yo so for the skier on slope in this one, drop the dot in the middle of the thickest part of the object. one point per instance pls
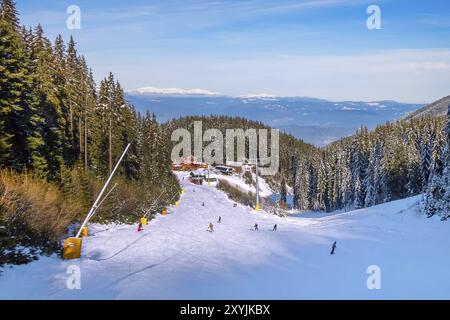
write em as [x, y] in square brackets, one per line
[140, 227]
[275, 227]
[210, 227]
[220, 219]
[256, 227]
[333, 248]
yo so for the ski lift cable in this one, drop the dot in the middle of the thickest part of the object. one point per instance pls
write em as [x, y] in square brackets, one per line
[94, 206]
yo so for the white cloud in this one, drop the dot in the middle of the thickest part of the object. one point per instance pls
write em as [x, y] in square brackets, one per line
[403, 75]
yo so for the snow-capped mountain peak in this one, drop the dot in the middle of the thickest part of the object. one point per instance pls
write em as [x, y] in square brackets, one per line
[258, 96]
[173, 91]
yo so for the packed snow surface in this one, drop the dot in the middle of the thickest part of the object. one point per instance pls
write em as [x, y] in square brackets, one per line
[175, 257]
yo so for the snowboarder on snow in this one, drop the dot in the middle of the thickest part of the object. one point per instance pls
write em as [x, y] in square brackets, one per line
[140, 227]
[220, 219]
[256, 227]
[210, 227]
[274, 227]
[333, 248]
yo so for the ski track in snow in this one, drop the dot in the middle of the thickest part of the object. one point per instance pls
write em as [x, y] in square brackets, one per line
[176, 258]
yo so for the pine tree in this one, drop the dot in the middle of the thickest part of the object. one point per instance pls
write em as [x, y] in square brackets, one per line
[296, 182]
[59, 80]
[16, 101]
[437, 197]
[48, 110]
[283, 193]
[9, 13]
[72, 84]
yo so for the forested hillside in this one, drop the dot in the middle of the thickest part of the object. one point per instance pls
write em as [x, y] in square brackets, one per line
[394, 161]
[289, 145]
[60, 137]
[436, 109]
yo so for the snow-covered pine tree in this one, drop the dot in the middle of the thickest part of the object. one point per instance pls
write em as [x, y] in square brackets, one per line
[414, 181]
[371, 179]
[437, 197]
[296, 182]
[423, 141]
[9, 13]
[283, 192]
[19, 135]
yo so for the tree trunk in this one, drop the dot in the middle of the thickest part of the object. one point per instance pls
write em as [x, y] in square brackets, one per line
[80, 133]
[85, 141]
[110, 145]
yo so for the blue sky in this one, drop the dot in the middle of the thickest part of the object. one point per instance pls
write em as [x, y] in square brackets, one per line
[317, 48]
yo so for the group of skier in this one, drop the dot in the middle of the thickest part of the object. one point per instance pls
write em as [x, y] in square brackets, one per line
[211, 226]
[255, 227]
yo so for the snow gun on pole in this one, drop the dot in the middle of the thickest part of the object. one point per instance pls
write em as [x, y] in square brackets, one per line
[72, 246]
[258, 205]
[104, 198]
[144, 219]
[152, 205]
[95, 205]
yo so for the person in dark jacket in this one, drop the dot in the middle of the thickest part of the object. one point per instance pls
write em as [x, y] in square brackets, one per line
[275, 227]
[256, 227]
[220, 219]
[333, 248]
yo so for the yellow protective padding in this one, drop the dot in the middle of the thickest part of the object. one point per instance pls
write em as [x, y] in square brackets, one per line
[72, 248]
[177, 203]
[84, 232]
[164, 211]
[182, 191]
[258, 207]
[143, 221]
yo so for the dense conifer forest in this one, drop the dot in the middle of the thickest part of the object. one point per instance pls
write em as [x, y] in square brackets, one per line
[61, 135]
[393, 161]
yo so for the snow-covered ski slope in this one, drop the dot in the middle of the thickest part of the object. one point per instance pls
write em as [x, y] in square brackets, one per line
[176, 258]
[237, 181]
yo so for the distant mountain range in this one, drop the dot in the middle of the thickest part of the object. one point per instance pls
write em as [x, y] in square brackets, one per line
[315, 121]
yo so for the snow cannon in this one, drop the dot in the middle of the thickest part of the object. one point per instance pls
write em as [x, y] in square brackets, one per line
[84, 232]
[164, 211]
[143, 221]
[72, 248]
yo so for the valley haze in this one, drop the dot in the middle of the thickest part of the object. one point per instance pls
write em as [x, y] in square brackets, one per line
[316, 121]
